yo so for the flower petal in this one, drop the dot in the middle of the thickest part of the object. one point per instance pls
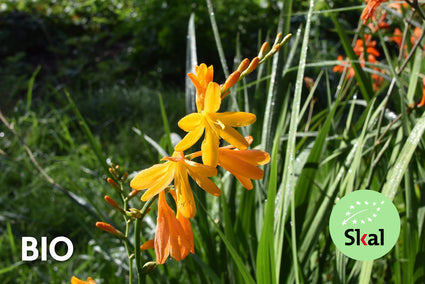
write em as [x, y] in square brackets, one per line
[147, 177]
[185, 201]
[190, 122]
[160, 183]
[234, 137]
[230, 161]
[191, 138]
[212, 98]
[234, 119]
[149, 244]
[162, 233]
[246, 182]
[200, 174]
[252, 156]
[209, 147]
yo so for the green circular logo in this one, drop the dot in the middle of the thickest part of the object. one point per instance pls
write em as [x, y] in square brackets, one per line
[364, 225]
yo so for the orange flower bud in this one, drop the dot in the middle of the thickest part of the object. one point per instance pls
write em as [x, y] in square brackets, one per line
[111, 201]
[263, 50]
[276, 48]
[254, 64]
[114, 184]
[231, 80]
[278, 39]
[133, 193]
[244, 64]
[110, 229]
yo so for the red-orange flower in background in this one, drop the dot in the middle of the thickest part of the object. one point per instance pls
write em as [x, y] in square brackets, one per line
[370, 8]
[75, 280]
[362, 45]
[156, 178]
[173, 236]
[213, 125]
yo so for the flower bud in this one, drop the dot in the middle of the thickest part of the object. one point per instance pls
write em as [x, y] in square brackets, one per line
[133, 212]
[110, 229]
[263, 50]
[113, 203]
[231, 80]
[149, 267]
[114, 184]
[243, 65]
[254, 64]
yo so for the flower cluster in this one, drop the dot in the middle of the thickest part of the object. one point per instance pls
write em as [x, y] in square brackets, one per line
[173, 236]
[366, 48]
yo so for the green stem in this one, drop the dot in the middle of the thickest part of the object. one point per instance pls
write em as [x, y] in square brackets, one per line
[137, 250]
[127, 243]
[137, 229]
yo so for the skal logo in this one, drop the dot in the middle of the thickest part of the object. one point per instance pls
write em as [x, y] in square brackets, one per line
[364, 225]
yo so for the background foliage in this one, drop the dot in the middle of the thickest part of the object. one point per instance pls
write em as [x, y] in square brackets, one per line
[115, 58]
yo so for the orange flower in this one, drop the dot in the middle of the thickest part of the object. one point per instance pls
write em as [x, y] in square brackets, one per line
[416, 34]
[397, 37]
[370, 8]
[341, 67]
[173, 236]
[243, 164]
[75, 280]
[204, 75]
[156, 178]
[215, 125]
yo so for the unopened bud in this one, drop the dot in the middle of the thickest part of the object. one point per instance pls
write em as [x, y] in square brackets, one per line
[110, 229]
[263, 50]
[133, 212]
[113, 203]
[277, 39]
[149, 267]
[114, 184]
[132, 194]
[254, 64]
[113, 172]
[243, 65]
[231, 80]
[276, 48]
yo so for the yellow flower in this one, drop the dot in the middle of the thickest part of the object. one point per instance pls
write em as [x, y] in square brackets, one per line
[243, 164]
[201, 80]
[215, 125]
[156, 178]
[173, 236]
[75, 280]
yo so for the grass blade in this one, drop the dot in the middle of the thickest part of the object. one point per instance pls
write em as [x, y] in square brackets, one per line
[191, 62]
[288, 179]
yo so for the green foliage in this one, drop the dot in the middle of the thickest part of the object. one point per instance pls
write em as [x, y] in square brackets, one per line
[324, 141]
